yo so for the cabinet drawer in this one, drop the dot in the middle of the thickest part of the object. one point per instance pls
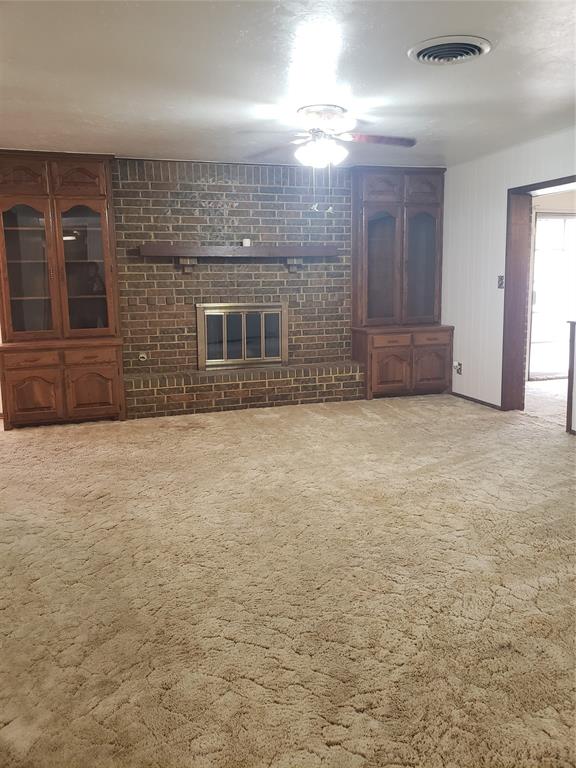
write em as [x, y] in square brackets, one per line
[16, 360]
[90, 356]
[391, 340]
[431, 337]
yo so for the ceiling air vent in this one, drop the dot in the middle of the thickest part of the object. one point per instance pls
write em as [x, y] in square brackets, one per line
[449, 50]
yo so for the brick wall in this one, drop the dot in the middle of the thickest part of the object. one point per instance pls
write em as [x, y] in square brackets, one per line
[220, 204]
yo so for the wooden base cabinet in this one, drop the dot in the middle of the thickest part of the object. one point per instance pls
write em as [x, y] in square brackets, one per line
[32, 397]
[60, 359]
[396, 281]
[431, 369]
[92, 391]
[391, 371]
[41, 385]
[404, 361]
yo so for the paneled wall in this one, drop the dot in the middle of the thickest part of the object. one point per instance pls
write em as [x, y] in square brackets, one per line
[474, 251]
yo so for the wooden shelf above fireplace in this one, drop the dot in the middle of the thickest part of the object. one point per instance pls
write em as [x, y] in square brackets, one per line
[187, 256]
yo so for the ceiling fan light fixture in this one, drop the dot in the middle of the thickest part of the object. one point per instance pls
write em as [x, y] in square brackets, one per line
[320, 153]
[329, 118]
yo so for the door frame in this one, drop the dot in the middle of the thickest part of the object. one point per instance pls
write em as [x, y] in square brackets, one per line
[517, 289]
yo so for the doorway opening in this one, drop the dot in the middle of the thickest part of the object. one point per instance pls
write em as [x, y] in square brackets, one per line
[539, 298]
[553, 285]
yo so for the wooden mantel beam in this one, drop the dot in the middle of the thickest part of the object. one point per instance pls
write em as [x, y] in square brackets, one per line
[187, 255]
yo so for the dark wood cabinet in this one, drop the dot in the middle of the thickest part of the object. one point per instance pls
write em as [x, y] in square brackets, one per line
[23, 175]
[383, 263]
[61, 380]
[431, 369]
[57, 290]
[421, 262]
[92, 390]
[33, 396]
[405, 360]
[28, 269]
[424, 187]
[87, 274]
[78, 177]
[391, 370]
[396, 278]
[381, 185]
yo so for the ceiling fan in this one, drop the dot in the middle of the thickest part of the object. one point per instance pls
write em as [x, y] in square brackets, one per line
[326, 128]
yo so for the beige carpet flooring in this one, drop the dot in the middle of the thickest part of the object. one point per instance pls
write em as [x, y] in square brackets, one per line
[547, 399]
[378, 584]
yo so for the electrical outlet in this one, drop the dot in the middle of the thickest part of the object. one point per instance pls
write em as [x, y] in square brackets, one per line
[500, 281]
[458, 368]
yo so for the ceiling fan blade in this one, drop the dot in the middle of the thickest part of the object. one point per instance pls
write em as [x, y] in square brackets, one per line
[393, 141]
[264, 152]
[263, 132]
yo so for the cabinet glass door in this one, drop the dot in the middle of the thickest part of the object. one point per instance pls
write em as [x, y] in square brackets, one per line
[382, 238]
[29, 277]
[421, 265]
[82, 233]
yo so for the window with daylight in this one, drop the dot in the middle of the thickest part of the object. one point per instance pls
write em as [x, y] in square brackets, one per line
[241, 334]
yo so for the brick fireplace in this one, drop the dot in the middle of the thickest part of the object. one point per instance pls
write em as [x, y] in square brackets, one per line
[217, 205]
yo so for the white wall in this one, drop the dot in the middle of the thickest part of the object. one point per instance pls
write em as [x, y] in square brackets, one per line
[475, 248]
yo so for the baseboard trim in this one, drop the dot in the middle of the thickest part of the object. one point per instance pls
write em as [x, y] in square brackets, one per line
[475, 400]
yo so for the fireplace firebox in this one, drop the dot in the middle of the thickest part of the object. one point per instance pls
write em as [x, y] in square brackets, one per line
[240, 335]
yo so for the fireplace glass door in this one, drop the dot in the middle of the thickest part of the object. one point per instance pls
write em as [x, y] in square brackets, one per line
[232, 335]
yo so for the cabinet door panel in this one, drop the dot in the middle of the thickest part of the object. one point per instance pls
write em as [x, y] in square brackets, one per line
[422, 248]
[383, 187]
[92, 391]
[424, 188]
[82, 232]
[28, 270]
[34, 396]
[23, 176]
[382, 263]
[391, 371]
[431, 369]
[78, 177]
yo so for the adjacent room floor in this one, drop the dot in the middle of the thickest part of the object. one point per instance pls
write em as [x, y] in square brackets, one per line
[547, 400]
[353, 585]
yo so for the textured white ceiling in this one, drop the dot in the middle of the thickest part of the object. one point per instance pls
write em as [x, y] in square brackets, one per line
[218, 80]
